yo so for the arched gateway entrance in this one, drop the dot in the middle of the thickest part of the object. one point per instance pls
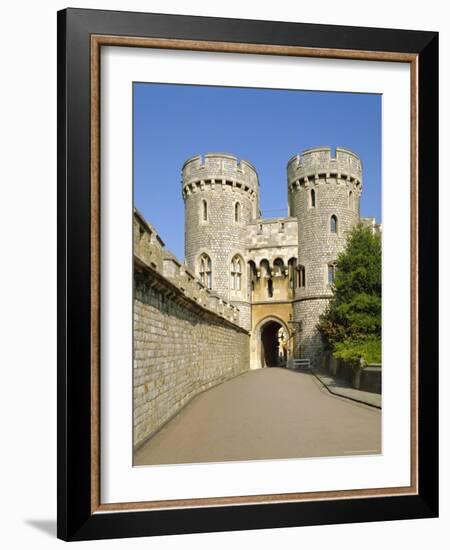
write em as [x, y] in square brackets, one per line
[273, 342]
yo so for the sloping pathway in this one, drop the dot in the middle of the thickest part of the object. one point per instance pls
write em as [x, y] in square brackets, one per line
[265, 414]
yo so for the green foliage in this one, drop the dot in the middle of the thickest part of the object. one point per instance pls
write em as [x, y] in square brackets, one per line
[352, 352]
[351, 325]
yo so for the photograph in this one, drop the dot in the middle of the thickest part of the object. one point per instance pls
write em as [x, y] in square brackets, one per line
[257, 274]
[247, 273]
[225, 275]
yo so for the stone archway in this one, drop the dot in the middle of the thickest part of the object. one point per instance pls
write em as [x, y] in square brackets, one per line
[272, 336]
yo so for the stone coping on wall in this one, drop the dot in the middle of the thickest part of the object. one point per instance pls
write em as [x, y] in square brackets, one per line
[148, 226]
[208, 305]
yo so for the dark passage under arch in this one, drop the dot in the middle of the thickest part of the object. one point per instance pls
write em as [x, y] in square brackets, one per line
[272, 353]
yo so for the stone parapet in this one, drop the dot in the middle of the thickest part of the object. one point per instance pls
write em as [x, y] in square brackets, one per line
[215, 169]
[318, 163]
[181, 348]
[147, 244]
[149, 253]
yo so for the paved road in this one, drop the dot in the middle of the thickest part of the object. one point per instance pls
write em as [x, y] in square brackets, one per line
[265, 414]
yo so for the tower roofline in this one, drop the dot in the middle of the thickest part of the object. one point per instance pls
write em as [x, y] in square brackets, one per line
[220, 156]
[318, 162]
[310, 150]
[319, 149]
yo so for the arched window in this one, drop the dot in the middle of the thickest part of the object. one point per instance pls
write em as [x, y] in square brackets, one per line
[237, 212]
[236, 273]
[312, 198]
[204, 211]
[253, 273]
[205, 270]
[292, 266]
[350, 200]
[265, 269]
[333, 224]
[278, 267]
[331, 273]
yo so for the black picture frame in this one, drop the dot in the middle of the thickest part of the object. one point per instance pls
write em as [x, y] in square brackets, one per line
[76, 519]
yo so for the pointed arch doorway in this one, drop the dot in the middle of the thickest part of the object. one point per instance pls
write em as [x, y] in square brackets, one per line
[273, 342]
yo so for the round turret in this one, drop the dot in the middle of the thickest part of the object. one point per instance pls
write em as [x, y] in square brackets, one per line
[221, 197]
[324, 194]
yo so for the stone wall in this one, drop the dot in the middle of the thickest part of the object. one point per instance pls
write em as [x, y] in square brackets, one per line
[308, 341]
[272, 250]
[365, 377]
[149, 251]
[180, 349]
[272, 238]
[186, 337]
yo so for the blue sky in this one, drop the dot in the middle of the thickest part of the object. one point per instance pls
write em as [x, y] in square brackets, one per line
[264, 126]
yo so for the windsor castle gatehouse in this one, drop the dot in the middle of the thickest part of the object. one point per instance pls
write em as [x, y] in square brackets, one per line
[250, 290]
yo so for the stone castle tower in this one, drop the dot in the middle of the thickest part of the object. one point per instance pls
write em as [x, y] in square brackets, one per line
[278, 272]
[324, 195]
[221, 196]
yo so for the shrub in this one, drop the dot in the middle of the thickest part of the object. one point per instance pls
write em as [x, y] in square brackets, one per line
[351, 325]
[352, 352]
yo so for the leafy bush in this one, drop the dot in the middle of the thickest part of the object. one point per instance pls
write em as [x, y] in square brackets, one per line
[351, 325]
[369, 350]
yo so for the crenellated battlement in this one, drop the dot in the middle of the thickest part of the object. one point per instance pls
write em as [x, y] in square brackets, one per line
[218, 169]
[318, 164]
[242, 273]
[151, 254]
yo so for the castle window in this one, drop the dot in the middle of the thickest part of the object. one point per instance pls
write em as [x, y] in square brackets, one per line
[301, 276]
[204, 211]
[350, 200]
[278, 267]
[292, 267]
[312, 198]
[253, 274]
[236, 273]
[205, 270]
[270, 288]
[265, 269]
[333, 224]
[331, 273]
[237, 212]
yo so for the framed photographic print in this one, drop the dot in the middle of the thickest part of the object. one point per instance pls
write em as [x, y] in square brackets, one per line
[247, 274]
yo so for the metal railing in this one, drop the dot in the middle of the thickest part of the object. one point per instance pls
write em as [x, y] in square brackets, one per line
[301, 364]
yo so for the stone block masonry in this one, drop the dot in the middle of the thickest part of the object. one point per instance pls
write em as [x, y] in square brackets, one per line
[221, 197]
[324, 194]
[197, 321]
[180, 349]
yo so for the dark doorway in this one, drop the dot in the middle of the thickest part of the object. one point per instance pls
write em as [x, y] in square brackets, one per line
[271, 353]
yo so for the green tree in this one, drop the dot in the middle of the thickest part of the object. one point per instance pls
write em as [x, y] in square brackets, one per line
[351, 325]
